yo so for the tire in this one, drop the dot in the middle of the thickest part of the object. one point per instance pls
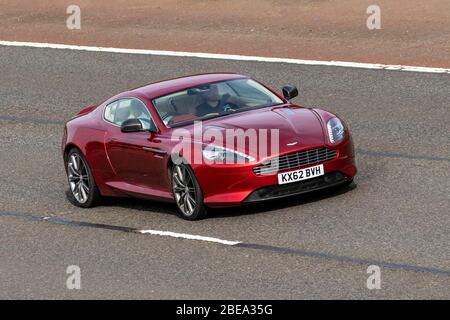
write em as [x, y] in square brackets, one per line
[187, 193]
[83, 191]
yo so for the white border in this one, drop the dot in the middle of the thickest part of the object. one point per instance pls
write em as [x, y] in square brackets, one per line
[227, 57]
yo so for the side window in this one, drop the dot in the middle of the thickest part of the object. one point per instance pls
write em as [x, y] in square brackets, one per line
[110, 111]
[130, 108]
[123, 112]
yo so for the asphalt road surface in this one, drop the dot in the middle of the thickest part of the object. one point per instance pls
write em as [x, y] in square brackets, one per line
[315, 246]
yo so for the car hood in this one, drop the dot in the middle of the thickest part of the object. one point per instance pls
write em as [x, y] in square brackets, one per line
[298, 127]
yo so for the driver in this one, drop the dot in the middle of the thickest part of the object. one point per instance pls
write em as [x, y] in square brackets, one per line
[212, 102]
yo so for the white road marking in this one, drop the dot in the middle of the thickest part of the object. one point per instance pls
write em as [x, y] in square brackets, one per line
[345, 64]
[188, 236]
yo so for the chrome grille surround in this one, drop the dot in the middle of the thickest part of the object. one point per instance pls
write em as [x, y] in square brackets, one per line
[295, 160]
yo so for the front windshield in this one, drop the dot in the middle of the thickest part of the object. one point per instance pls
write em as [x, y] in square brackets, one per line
[213, 100]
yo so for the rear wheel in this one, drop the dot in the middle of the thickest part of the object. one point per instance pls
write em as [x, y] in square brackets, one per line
[187, 193]
[83, 190]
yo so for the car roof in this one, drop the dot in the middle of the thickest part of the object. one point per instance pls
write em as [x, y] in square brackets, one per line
[165, 87]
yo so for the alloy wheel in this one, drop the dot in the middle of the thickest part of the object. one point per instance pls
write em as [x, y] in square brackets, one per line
[78, 178]
[184, 190]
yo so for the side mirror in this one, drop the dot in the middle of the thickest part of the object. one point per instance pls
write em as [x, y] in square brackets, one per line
[290, 92]
[132, 125]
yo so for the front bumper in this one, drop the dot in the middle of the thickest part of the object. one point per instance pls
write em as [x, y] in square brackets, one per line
[328, 180]
[228, 185]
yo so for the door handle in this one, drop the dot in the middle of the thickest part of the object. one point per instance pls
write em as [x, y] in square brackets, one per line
[161, 152]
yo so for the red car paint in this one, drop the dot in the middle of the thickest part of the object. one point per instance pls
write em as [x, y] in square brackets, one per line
[121, 167]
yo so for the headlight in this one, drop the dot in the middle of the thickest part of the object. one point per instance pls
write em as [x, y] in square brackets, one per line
[336, 131]
[223, 155]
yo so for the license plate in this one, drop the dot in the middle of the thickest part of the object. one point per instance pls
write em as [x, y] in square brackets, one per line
[301, 174]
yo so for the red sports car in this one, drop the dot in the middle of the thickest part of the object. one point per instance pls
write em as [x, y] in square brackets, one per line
[210, 140]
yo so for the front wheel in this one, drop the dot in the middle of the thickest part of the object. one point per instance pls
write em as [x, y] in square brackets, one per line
[83, 190]
[187, 193]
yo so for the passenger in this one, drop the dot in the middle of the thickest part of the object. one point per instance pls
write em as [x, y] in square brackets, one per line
[139, 111]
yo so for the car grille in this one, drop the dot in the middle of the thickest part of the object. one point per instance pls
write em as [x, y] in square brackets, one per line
[295, 160]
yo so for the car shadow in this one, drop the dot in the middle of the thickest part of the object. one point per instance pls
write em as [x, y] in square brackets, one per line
[139, 204]
[133, 203]
[147, 206]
